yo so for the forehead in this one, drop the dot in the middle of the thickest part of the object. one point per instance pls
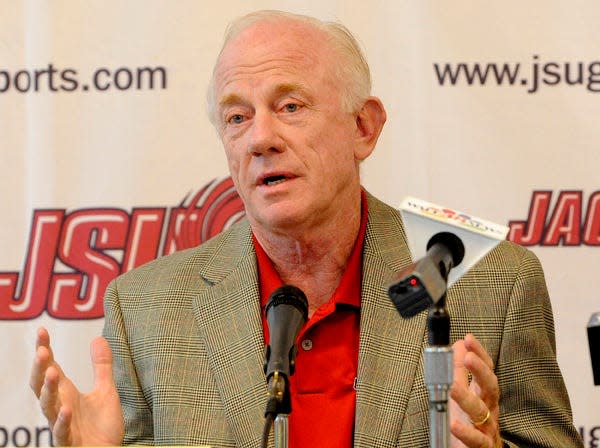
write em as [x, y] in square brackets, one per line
[278, 46]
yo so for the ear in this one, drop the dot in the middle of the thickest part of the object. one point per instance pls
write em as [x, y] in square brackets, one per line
[369, 123]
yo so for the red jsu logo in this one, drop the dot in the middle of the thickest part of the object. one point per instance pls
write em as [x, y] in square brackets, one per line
[72, 256]
[568, 223]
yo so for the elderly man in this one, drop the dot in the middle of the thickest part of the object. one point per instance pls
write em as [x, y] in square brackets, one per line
[290, 98]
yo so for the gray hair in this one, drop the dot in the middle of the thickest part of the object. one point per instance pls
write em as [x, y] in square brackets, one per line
[352, 67]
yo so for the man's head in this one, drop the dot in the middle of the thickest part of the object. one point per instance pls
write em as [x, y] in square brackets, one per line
[294, 120]
[351, 66]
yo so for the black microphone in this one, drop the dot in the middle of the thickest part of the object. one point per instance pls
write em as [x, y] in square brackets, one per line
[423, 283]
[286, 311]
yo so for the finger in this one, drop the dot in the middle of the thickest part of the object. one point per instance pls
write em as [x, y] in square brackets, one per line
[479, 363]
[462, 400]
[49, 397]
[471, 406]
[467, 404]
[461, 373]
[41, 360]
[42, 338]
[102, 363]
[470, 436]
[472, 344]
[485, 381]
[62, 429]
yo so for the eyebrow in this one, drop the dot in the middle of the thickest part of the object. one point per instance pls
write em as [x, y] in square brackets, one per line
[230, 99]
[280, 89]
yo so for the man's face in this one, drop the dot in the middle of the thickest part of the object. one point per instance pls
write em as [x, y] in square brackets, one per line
[289, 145]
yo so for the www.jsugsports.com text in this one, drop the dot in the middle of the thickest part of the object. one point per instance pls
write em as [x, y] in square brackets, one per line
[515, 74]
[53, 79]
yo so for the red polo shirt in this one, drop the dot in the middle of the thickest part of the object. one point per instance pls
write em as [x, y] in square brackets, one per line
[322, 387]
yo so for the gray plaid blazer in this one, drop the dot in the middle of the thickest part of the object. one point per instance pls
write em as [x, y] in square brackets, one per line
[187, 339]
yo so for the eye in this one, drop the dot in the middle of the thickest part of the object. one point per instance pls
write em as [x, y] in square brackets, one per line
[291, 107]
[235, 119]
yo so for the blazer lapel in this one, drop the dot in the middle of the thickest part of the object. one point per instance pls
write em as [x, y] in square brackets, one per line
[229, 318]
[390, 346]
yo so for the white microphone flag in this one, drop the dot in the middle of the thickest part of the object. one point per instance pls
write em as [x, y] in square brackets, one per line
[423, 219]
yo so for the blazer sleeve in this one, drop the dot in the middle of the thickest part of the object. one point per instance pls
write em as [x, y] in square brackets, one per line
[136, 411]
[534, 405]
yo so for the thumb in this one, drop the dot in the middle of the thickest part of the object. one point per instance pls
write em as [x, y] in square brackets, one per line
[102, 363]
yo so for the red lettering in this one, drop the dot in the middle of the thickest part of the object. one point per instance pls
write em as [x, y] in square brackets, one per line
[86, 247]
[172, 242]
[144, 237]
[86, 235]
[39, 264]
[448, 212]
[230, 210]
[211, 210]
[565, 223]
[591, 232]
[529, 233]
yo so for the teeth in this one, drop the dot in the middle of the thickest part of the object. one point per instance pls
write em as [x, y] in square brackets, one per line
[275, 181]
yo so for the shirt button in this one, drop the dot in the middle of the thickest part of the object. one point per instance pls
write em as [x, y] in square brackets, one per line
[306, 344]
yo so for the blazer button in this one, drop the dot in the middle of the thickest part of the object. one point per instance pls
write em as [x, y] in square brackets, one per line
[306, 344]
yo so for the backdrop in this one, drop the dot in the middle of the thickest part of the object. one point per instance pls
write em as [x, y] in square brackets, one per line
[107, 158]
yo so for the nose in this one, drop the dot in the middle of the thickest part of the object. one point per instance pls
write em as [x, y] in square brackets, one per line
[264, 135]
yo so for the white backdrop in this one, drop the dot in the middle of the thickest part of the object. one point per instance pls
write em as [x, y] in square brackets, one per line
[103, 125]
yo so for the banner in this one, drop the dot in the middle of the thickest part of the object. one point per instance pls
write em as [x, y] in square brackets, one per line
[108, 159]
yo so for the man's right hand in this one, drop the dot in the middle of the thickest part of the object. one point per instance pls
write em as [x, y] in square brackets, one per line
[78, 419]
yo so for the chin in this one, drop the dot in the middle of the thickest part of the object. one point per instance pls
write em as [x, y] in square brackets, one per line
[275, 220]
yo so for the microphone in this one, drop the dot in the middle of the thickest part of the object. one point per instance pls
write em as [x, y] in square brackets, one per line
[423, 283]
[454, 242]
[446, 243]
[286, 311]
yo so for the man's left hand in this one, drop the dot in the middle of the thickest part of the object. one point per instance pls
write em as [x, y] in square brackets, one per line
[474, 408]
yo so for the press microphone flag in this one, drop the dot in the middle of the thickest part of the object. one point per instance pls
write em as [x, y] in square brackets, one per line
[423, 220]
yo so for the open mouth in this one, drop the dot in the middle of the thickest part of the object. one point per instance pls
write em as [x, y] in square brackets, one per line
[274, 180]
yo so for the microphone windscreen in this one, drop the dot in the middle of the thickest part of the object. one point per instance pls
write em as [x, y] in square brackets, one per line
[452, 242]
[286, 311]
[289, 295]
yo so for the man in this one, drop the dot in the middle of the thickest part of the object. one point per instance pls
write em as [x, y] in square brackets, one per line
[290, 98]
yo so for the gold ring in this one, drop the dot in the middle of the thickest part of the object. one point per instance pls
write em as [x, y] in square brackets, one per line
[483, 420]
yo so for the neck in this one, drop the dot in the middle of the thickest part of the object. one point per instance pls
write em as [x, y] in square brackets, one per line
[314, 261]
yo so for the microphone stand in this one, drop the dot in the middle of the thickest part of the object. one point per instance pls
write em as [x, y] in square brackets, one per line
[281, 431]
[279, 406]
[286, 312]
[438, 359]
[423, 285]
